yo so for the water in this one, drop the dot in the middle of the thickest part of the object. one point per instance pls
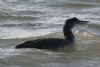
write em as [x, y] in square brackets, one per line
[23, 20]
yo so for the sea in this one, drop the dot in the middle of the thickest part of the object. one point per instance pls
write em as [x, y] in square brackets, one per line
[24, 20]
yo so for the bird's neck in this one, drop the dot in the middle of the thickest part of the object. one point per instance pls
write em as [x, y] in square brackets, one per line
[68, 35]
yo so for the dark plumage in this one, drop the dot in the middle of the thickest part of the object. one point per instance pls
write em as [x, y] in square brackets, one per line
[54, 43]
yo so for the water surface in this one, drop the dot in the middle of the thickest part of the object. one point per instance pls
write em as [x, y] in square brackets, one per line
[23, 20]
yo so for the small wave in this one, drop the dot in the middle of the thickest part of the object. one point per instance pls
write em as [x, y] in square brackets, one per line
[95, 29]
[22, 33]
[18, 17]
[77, 4]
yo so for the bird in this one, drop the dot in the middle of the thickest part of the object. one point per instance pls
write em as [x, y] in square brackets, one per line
[55, 43]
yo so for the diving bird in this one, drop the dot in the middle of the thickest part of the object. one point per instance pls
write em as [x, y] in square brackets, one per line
[55, 43]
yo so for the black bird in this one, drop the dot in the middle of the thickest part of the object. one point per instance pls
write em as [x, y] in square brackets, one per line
[54, 43]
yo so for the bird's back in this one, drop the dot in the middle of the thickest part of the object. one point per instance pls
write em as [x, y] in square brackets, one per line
[51, 43]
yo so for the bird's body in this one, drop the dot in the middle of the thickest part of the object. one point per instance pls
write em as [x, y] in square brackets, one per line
[54, 43]
[51, 43]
